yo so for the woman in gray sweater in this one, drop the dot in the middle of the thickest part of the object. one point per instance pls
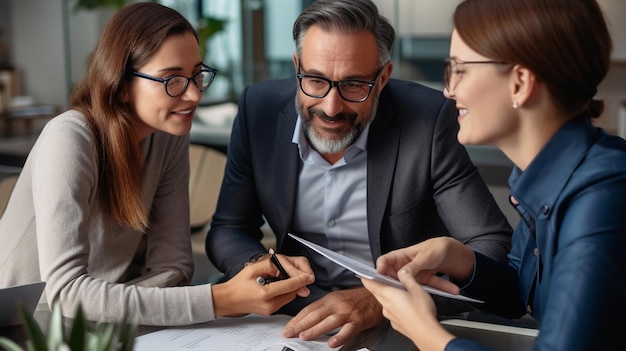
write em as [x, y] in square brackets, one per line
[100, 211]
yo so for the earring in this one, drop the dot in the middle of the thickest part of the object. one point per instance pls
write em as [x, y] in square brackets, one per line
[515, 104]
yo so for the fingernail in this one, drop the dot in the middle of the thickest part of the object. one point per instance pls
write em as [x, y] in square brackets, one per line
[403, 271]
[332, 342]
[287, 333]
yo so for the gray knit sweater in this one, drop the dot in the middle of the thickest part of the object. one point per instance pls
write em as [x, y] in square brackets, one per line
[54, 230]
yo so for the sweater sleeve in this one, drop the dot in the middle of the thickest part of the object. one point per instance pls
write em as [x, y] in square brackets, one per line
[83, 254]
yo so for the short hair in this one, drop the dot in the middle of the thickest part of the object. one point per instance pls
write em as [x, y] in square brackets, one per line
[349, 16]
[566, 43]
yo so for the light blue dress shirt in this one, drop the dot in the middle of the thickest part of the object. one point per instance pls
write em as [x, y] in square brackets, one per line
[331, 207]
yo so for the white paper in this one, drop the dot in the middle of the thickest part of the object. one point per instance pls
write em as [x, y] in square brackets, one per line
[249, 333]
[364, 271]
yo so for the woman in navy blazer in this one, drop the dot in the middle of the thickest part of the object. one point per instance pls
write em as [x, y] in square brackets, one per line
[523, 74]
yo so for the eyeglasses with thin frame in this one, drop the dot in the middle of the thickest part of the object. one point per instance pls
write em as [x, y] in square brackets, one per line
[176, 85]
[351, 90]
[450, 63]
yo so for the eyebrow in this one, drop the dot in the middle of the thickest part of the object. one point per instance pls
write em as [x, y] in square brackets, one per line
[320, 74]
[178, 68]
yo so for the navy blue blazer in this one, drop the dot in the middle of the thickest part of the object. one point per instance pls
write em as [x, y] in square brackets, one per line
[420, 180]
[567, 267]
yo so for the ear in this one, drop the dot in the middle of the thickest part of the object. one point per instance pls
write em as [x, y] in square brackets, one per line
[295, 61]
[523, 82]
[125, 97]
[386, 74]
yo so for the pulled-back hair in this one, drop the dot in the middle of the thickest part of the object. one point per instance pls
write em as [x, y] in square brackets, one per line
[348, 16]
[130, 39]
[566, 43]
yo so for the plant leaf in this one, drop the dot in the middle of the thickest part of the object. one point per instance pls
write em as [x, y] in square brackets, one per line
[101, 337]
[94, 4]
[37, 339]
[208, 27]
[127, 333]
[55, 328]
[9, 345]
[77, 340]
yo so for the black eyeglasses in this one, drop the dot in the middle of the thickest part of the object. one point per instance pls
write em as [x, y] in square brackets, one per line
[351, 90]
[449, 63]
[176, 85]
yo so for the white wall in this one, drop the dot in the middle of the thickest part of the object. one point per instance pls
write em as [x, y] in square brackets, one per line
[423, 18]
[615, 12]
[50, 45]
[50, 63]
[37, 49]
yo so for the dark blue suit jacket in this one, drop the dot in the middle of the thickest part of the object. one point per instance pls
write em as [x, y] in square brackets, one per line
[420, 180]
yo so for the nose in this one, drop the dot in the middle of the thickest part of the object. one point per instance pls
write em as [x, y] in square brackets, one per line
[333, 103]
[192, 93]
[447, 93]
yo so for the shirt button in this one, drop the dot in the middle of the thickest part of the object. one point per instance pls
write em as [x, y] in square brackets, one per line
[331, 223]
[536, 252]
[545, 209]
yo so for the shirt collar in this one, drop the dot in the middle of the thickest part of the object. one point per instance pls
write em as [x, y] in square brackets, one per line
[538, 187]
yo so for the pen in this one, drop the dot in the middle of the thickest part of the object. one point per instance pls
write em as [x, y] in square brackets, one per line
[282, 273]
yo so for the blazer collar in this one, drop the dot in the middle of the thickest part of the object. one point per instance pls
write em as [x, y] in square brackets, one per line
[382, 155]
[382, 148]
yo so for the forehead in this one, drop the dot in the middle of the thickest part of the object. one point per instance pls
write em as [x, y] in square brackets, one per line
[336, 53]
[176, 51]
[460, 50]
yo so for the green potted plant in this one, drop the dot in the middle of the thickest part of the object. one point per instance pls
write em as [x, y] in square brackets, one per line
[81, 336]
[94, 4]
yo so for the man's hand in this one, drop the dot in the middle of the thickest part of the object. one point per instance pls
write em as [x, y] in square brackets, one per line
[352, 310]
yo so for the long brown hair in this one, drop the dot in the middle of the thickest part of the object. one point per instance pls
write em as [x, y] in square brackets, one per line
[566, 43]
[130, 39]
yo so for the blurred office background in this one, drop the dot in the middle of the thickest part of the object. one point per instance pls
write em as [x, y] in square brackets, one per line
[48, 42]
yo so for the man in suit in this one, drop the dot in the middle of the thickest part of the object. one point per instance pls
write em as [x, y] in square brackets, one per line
[348, 158]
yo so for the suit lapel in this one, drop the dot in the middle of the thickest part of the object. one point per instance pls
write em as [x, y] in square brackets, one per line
[286, 158]
[382, 156]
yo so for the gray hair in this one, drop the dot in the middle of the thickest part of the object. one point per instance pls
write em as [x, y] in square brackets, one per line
[348, 16]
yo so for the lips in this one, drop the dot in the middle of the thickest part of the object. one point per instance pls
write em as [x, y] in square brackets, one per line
[327, 118]
[184, 114]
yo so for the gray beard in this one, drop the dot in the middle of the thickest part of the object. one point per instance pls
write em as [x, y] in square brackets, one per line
[329, 146]
[333, 145]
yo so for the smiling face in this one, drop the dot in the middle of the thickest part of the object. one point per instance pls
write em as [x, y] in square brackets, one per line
[155, 110]
[483, 96]
[331, 123]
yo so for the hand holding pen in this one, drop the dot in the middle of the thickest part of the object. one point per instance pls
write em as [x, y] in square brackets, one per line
[268, 278]
[241, 294]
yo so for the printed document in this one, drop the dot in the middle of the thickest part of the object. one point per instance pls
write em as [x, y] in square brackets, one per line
[364, 271]
[249, 333]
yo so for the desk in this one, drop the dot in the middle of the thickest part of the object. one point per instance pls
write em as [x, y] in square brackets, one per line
[517, 336]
